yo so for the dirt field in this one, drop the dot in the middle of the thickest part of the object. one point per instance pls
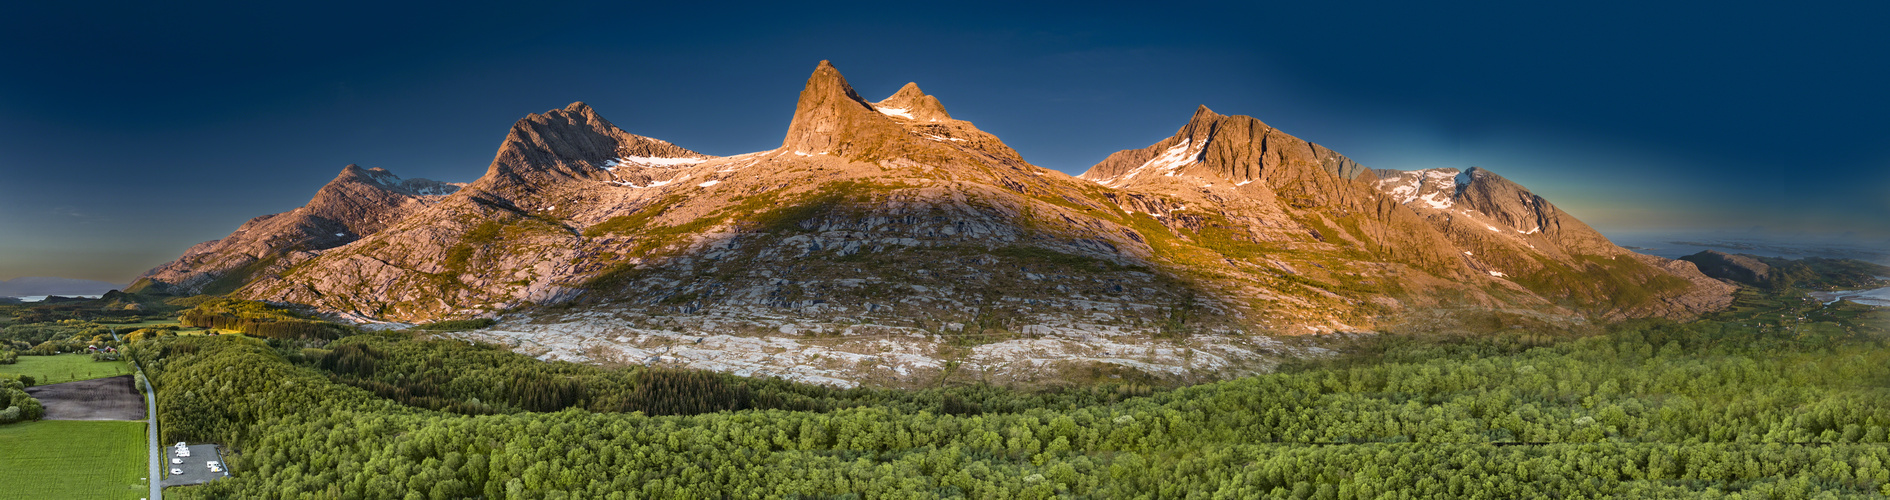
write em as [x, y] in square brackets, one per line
[110, 398]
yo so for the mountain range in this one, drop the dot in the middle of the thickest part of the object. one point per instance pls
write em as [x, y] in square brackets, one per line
[888, 242]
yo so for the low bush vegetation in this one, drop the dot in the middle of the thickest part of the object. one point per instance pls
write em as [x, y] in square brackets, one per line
[16, 405]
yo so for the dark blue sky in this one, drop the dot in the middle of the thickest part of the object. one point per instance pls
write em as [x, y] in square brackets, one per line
[129, 132]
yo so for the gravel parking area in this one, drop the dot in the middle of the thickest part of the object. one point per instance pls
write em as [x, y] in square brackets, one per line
[193, 468]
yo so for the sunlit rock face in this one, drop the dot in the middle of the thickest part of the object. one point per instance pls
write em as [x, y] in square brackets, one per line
[889, 243]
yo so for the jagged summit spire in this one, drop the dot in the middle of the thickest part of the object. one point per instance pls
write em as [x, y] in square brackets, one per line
[832, 118]
[909, 91]
[1203, 121]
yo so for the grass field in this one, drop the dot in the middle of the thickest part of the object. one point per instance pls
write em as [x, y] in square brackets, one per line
[64, 368]
[72, 459]
[150, 322]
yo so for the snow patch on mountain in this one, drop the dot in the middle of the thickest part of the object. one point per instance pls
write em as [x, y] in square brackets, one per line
[1182, 154]
[1435, 188]
[650, 161]
[899, 112]
[1177, 156]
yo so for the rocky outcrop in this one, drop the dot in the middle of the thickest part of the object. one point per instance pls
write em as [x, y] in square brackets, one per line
[1733, 267]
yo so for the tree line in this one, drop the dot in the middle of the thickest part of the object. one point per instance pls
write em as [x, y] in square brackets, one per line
[16, 405]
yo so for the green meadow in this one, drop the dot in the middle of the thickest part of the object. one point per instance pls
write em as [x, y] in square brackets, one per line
[63, 368]
[73, 460]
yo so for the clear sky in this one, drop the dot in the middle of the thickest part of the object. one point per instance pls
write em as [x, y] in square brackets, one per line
[130, 132]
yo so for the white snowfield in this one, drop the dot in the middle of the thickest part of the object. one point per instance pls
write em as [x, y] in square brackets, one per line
[1181, 154]
[651, 161]
[899, 112]
[633, 185]
[1434, 187]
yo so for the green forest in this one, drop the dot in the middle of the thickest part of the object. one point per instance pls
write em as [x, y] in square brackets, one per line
[1777, 397]
[1746, 404]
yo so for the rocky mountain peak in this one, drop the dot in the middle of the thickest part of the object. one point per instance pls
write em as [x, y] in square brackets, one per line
[1238, 149]
[1202, 125]
[832, 118]
[569, 143]
[1510, 205]
[579, 108]
[355, 182]
[1203, 116]
[911, 103]
[356, 174]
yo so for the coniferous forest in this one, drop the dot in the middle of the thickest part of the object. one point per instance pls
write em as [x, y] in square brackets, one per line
[1737, 406]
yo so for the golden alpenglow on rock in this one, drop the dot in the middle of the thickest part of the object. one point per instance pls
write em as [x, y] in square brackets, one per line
[893, 220]
[1471, 253]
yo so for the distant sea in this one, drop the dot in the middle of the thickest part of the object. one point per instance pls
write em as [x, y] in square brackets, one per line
[37, 298]
[1674, 245]
[1877, 297]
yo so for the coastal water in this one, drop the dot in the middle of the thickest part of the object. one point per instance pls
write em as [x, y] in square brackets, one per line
[37, 298]
[1674, 245]
[1874, 297]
